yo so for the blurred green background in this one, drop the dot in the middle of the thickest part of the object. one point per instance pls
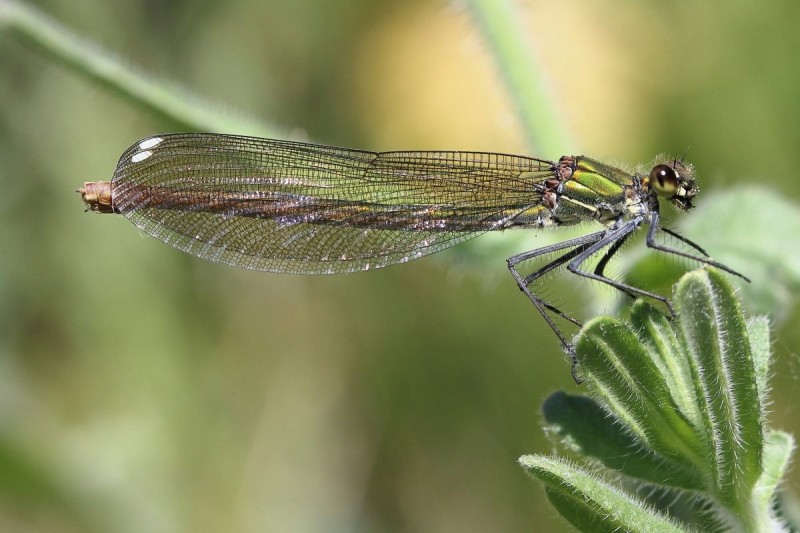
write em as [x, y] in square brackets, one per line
[142, 389]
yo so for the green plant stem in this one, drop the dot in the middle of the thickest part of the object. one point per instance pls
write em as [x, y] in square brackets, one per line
[524, 76]
[176, 105]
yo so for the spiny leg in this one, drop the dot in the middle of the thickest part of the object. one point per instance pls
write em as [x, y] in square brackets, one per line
[531, 278]
[580, 244]
[524, 283]
[651, 243]
[622, 232]
[626, 233]
[612, 250]
[514, 260]
[684, 240]
[584, 248]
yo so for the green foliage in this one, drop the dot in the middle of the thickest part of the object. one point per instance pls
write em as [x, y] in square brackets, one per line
[674, 436]
[768, 253]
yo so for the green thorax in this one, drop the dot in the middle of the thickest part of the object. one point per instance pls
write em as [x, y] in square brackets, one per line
[591, 190]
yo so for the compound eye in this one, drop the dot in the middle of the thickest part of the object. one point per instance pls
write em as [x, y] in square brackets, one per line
[664, 180]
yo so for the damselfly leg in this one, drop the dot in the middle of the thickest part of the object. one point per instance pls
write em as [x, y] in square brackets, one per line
[583, 248]
[651, 243]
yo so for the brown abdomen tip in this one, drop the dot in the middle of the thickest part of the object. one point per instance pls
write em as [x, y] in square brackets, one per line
[97, 196]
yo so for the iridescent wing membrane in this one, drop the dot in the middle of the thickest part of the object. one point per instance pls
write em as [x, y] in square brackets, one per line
[292, 207]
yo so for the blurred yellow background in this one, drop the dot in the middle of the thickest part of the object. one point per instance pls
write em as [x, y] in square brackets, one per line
[142, 389]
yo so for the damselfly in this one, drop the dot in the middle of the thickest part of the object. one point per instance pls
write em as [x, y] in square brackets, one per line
[284, 206]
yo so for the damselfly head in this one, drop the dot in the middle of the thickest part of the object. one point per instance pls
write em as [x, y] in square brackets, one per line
[673, 180]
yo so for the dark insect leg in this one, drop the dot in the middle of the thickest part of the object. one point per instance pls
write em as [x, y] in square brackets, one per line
[584, 248]
[623, 232]
[651, 243]
[529, 279]
[612, 250]
[684, 240]
[579, 244]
